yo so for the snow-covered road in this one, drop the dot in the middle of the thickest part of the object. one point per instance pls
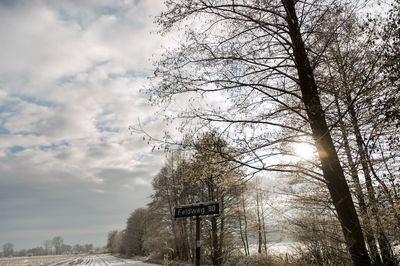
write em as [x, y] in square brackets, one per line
[92, 259]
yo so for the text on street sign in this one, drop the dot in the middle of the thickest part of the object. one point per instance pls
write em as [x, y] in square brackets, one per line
[197, 210]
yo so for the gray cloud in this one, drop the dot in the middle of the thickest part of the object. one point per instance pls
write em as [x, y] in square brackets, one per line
[70, 76]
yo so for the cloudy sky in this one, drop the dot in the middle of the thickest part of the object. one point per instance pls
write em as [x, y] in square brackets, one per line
[70, 75]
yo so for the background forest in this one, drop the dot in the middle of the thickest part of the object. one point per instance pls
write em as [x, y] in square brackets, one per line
[290, 120]
[55, 246]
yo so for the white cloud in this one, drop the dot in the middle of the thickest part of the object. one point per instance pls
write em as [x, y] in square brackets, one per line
[70, 76]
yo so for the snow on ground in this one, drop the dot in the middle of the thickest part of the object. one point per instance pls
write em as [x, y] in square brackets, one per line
[63, 260]
[278, 248]
[282, 248]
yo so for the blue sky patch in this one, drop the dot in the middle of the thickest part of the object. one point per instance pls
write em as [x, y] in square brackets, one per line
[53, 146]
[12, 151]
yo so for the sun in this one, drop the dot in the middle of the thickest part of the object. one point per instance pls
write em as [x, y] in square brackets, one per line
[304, 150]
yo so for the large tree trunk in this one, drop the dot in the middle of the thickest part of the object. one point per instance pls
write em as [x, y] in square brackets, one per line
[332, 170]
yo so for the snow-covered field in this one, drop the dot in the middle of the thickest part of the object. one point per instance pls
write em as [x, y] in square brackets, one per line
[95, 260]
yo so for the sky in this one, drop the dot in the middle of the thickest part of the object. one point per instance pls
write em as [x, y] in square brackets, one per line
[70, 79]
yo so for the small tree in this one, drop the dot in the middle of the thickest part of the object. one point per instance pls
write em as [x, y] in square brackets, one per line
[136, 230]
[58, 243]
[8, 249]
[114, 242]
[48, 246]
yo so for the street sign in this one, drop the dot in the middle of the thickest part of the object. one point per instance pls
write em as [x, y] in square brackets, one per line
[197, 210]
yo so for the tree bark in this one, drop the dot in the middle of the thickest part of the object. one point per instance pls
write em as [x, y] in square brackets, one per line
[245, 224]
[214, 238]
[241, 230]
[258, 221]
[369, 232]
[385, 247]
[332, 170]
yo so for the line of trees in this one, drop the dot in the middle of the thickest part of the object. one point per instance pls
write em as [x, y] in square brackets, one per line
[191, 175]
[255, 215]
[322, 72]
[55, 246]
[263, 76]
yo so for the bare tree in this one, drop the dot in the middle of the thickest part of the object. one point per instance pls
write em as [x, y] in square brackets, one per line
[48, 246]
[257, 54]
[136, 228]
[242, 216]
[169, 193]
[114, 242]
[200, 176]
[8, 249]
[352, 73]
[58, 242]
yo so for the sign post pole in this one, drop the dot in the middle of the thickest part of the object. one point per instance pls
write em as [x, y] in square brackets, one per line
[197, 240]
[199, 209]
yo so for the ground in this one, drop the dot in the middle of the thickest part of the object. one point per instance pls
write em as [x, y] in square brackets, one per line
[87, 259]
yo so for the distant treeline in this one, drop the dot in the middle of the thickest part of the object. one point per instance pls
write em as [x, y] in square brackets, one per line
[55, 246]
